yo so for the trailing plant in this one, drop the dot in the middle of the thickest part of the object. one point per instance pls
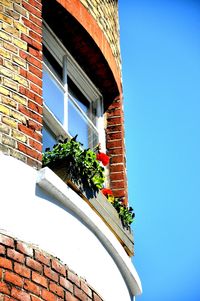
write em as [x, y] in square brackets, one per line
[81, 165]
[126, 214]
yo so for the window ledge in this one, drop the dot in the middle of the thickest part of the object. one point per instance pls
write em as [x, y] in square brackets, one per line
[54, 186]
[109, 215]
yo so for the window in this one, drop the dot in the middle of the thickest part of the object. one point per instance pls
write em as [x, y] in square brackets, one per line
[72, 104]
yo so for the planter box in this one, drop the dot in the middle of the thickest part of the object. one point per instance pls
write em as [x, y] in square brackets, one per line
[99, 203]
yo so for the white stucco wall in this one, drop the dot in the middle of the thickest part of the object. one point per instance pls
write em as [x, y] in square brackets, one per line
[61, 223]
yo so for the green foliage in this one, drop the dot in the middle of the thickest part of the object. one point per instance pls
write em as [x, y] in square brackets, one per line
[125, 213]
[81, 165]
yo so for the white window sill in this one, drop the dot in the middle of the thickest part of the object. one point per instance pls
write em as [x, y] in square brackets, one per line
[54, 186]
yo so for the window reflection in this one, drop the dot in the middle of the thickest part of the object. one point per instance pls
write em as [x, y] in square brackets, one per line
[53, 96]
[49, 140]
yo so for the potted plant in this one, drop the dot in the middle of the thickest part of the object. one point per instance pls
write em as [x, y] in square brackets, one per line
[81, 166]
[126, 213]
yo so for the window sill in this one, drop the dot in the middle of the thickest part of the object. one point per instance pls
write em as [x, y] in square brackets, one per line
[55, 187]
[109, 215]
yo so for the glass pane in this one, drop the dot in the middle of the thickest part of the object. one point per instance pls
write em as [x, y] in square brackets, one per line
[48, 138]
[77, 124]
[53, 96]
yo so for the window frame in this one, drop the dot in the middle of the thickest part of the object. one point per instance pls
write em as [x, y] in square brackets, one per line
[80, 79]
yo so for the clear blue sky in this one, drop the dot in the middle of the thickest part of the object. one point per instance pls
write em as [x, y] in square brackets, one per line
[160, 45]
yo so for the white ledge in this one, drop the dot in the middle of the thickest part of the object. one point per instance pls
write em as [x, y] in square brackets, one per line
[54, 186]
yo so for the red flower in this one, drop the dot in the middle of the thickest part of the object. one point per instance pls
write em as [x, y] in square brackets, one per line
[103, 158]
[106, 191]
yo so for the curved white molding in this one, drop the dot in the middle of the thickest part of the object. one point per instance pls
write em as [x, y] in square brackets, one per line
[54, 186]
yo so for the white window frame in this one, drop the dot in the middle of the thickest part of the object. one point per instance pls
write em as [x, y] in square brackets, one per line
[80, 79]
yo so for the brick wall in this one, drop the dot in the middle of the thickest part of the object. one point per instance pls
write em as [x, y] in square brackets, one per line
[106, 15]
[30, 274]
[116, 149]
[21, 84]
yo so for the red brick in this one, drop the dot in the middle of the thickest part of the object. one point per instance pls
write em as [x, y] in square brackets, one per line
[85, 288]
[114, 121]
[24, 248]
[48, 296]
[35, 53]
[38, 99]
[1, 273]
[70, 297]
[35, 71]
[20, 295]
[34, 264]
[32, 25]
[31, 287]
[116, 168]
[31, 42]
[34, 125]
[36, 4]
[35, 62]
[56, 265]
[73, 278]
[118, 193]
[66, 284]
[39, 279]
[36, 89]
[15, 255]
[117, 159]
[42, 258]
[37, 37]
[5, 263]
[13, 278]
[56, 289]
[80, 294]
[114, 113]
[5, 240]
[29, 151]
[26, 92]
[29, 132]
[115, 104]
[96, 297]
[117, 176]
[35, 20]
[4, 288]
[22, 270]
[115, 143]
[50, 274]
[23, 72]
[31, 95]
[24, 55]
[2, 250]
[114, 128]
[34, 79]
[35, 107]
[114, 136]
[116, 151]
[31, 9]
[36, 145]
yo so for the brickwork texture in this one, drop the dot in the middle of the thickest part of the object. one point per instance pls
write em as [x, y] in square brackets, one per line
[20, 79]
[106, 15]
[116, 149]
[29, 274]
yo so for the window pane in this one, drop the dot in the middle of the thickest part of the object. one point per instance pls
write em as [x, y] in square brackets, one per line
[77, 124]
[53, 96]
[48, 139]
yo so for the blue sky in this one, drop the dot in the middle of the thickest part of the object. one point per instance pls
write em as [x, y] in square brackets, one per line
[160, 45]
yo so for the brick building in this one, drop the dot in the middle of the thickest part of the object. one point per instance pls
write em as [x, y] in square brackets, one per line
[61, 76]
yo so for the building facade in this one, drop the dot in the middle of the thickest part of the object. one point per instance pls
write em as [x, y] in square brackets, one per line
[61, 76]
